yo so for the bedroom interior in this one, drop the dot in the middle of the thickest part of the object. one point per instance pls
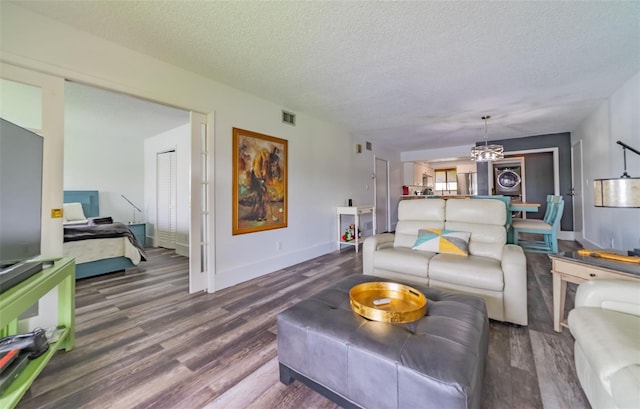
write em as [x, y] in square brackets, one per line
[531, 364]
[103, 126]
[118, 127]
[98, 245]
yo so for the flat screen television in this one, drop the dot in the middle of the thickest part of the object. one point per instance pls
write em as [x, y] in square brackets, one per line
[20, 203]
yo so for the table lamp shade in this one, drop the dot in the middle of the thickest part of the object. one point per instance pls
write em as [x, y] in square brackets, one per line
[621, 192]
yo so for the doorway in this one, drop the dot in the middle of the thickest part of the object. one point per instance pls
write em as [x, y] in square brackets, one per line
[54, 103]
[120, 136]
[577, 190]
[381, 192]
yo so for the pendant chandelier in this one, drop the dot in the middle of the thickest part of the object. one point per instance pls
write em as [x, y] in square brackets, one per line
[486, 152]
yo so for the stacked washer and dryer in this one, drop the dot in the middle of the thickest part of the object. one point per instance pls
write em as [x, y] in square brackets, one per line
[509, 179]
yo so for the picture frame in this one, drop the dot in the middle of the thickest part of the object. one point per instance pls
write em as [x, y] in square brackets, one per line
[259, 182]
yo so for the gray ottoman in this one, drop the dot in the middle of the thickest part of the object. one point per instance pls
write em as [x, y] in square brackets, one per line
[435, 362]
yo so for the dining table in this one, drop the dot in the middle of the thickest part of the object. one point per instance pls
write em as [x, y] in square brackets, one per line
[524, 207]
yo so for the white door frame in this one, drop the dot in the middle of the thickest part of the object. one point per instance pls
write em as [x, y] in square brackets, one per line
[387, 216]
[52, 131]
[577, 190]
[201, 237]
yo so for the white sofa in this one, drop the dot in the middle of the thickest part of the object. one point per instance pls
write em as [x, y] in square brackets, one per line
[493, 270]
[606, 326]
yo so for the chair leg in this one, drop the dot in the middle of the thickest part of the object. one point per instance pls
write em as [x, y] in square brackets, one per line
[547, 244]
[554, 243]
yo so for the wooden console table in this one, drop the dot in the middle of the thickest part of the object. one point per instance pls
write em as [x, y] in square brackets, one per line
[574, 268]
[18, 299]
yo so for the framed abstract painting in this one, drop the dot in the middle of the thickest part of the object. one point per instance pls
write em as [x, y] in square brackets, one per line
[259, 182]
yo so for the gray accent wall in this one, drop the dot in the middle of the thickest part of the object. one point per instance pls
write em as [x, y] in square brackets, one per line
[538, 179]
[538, 167]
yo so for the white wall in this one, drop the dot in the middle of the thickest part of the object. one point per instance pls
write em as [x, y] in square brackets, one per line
[615, 120]
[323, 171]
[96, 158]
[177, 139]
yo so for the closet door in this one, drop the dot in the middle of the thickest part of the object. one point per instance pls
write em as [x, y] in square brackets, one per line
[166, 225]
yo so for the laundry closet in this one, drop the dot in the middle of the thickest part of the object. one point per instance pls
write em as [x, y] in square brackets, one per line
[509, 178]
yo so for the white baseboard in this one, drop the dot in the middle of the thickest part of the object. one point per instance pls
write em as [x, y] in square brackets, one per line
[566, 235]
[588, 244]
[228, 278]
[182, 249]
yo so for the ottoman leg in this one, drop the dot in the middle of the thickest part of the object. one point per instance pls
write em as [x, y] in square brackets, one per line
[286, 375]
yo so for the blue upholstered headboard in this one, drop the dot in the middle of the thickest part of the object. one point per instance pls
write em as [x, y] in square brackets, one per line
[89, 199]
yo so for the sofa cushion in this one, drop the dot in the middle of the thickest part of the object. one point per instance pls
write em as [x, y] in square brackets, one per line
[485, 211]
[486, 240]
[421, 209]
[472, 271]
[485, 219]
[609, 340]
[403, 259]
[443, 241]
[417, 214]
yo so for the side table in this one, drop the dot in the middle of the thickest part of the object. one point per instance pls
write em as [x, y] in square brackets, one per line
[140, 231]
[574, 268]
[356, 212]
[18, 299]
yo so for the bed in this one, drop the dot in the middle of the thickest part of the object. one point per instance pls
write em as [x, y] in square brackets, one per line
[98, 245]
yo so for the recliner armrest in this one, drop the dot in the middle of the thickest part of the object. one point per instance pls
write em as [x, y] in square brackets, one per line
[381, 240]
[514, 268]
[615, 295]
[372, 244]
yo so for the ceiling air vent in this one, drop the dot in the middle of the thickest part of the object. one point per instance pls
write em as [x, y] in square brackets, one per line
[289, 118]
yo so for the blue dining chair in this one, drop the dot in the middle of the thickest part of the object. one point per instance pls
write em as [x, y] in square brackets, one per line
[551, 201]
[547, 227]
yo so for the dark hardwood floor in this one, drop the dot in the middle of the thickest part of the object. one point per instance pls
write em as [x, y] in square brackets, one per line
[143, 342]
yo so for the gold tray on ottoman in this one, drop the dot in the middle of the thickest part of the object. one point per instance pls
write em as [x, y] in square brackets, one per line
[388, 302]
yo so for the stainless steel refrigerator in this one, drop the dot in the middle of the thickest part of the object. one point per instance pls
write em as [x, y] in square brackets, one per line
[468, 184]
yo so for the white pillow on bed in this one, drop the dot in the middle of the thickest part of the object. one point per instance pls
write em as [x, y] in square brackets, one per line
[73, 212]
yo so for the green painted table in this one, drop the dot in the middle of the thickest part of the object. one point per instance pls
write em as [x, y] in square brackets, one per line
[18, 299]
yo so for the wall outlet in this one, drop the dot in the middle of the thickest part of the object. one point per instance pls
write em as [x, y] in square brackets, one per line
[279, 245]
[612, 243]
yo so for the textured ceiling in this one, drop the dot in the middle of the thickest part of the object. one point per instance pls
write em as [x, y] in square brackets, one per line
[410, 75]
